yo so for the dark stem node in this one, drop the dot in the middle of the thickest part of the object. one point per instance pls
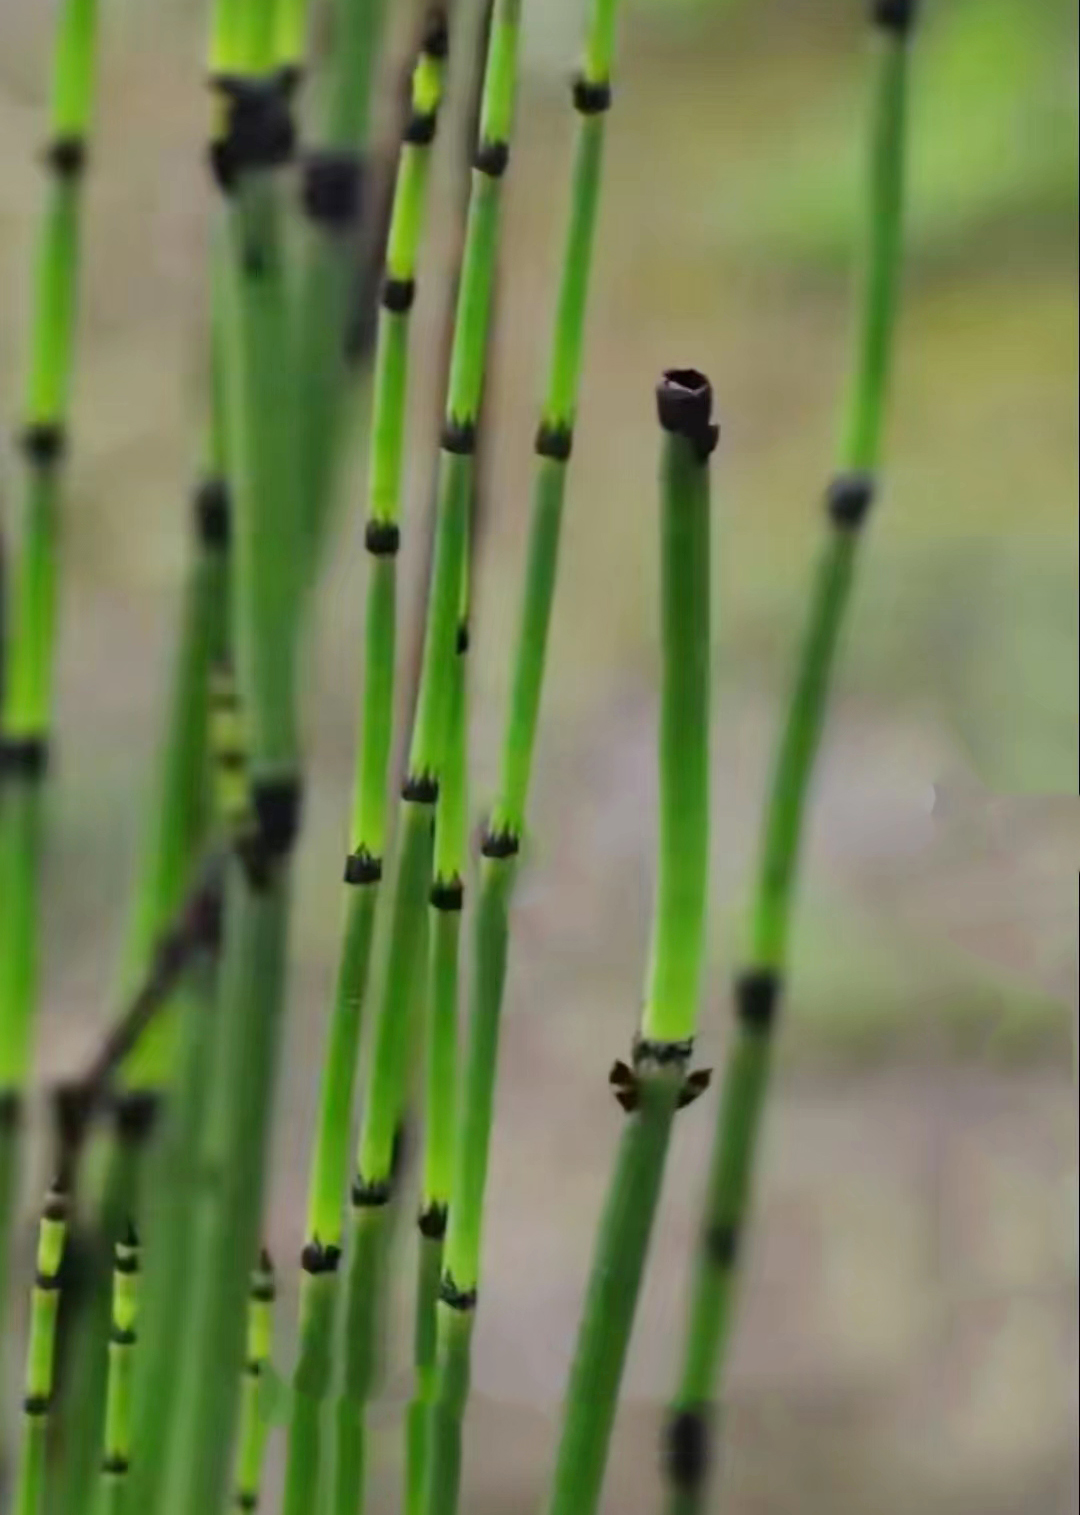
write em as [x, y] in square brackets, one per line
[44, 442]
[447, 895]
[259, 130]
[431, 1222]
[894, 15]
[591, 96]
[333, 190]
[722, 1244]
[555, 441]
[420, 789]
[24, 756]
[684, 400]
[687, 1448]
[382, 538]
[316, 1259]
[398, 295]
[370, 1196]
[458, 436]
[66, 156]
[420, 128]
[500, 843]
[491, 159]
[757, 996]
[848, 498]
[212, 512]
[455, 1298]
[436, 40]
[362, 868]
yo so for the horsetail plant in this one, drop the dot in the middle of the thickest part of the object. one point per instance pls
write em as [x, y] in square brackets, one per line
[122, 1342]
[254, 140]
[33, 1458]
[364, 862]
[447, 901]
[333, 203]
[658, 1083]
[758, 989]
[30, 610]
[252, 1433]
[388, 1070]
[591, 96]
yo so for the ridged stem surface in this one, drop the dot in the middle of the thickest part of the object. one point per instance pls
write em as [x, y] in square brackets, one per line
[123, 1338]
[253, 1431]
[32, 1469]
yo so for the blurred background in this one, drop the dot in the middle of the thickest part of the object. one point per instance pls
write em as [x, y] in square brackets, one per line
[907, 1340]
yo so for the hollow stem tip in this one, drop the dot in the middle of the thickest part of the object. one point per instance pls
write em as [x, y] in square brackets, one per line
[684, 400]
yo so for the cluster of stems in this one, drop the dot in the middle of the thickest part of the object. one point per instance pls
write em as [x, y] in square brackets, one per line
[759, 986]
[31, 590]
[393, 1032]
[455, 1312]
[364, 863]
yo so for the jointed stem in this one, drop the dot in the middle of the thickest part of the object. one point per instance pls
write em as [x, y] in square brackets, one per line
[30, 606]
[364, 865]
[391, 1047]
[30, 1481]
[657, 1085]
[122, 1342]
[553, 445]
[758, 990]
[252, 1432]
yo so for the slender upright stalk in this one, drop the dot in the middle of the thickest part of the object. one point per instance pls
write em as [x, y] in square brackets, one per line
[388, 1071]
[591, 97]
[30, 611]
[122, 1343]
[254, 141]
[657, 1084]
[52, 1235]
[251, 1437]
[440, 1068]
[364, 863]
[333, 198]
[758, 989]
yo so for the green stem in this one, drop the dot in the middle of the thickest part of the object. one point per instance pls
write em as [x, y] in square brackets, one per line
[30, 616]
[252, 1433]
[591, 96]
[388, 1072]
[334, 189]
[364, 864]
[657, 1085]
[259, 393]
[444, 933]
[112, 1491]
[30, 1481]
[759, 988]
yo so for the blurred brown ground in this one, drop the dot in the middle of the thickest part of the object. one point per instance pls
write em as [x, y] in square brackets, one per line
[908, 1337]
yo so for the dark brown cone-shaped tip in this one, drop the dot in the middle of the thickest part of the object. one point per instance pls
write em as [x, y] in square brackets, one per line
[684, 400]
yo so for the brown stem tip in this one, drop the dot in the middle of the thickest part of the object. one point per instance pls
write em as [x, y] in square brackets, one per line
[684, 401]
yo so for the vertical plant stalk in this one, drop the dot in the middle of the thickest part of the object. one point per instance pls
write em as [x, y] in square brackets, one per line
[364, 864]
[657, 1084]
[591, 97]
[252, 1434]
[254, 141]
[333, 202]
[32, 1470]
[122, 1344]
[388, 1071]
[26, 684]
[758, 988]
[447, 902]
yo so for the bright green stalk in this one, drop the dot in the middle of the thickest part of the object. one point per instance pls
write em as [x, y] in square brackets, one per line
[334, 174]
[364, 864]
[32, 1470]
[26, 685]
[440, 1070]
[388, 1071]
[77, 1421]
[251, 1439]
[122, 1341]
[259, 394]
[657, 1085]
[759, 988]
[592, 94]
